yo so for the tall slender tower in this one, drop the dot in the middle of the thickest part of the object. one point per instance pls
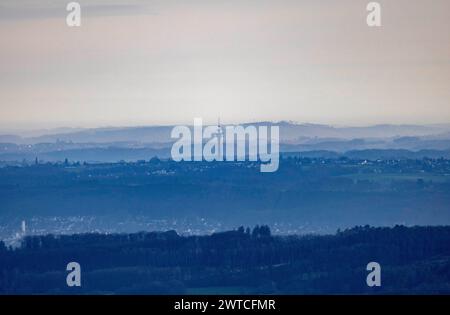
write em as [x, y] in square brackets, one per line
[219, 140]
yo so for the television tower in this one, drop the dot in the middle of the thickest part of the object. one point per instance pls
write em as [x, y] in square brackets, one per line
[219, 142]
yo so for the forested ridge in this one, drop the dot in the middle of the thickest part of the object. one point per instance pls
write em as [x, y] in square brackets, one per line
[413, 260]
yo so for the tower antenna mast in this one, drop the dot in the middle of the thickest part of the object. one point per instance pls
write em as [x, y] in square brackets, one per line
[219, 135]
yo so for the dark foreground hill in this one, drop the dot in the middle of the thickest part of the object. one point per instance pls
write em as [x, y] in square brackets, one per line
[413, 260]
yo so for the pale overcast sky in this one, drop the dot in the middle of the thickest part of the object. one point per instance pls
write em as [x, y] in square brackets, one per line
[167, 61]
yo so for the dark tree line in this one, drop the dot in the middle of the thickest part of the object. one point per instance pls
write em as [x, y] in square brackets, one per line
[413, 260]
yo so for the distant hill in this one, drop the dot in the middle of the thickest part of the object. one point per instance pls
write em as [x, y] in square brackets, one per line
[289, 132]
[373, 154]
[141, 143]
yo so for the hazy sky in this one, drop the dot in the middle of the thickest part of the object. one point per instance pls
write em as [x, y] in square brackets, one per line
[158, 62]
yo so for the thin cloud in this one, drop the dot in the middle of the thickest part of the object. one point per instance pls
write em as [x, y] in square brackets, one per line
[56, 9]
